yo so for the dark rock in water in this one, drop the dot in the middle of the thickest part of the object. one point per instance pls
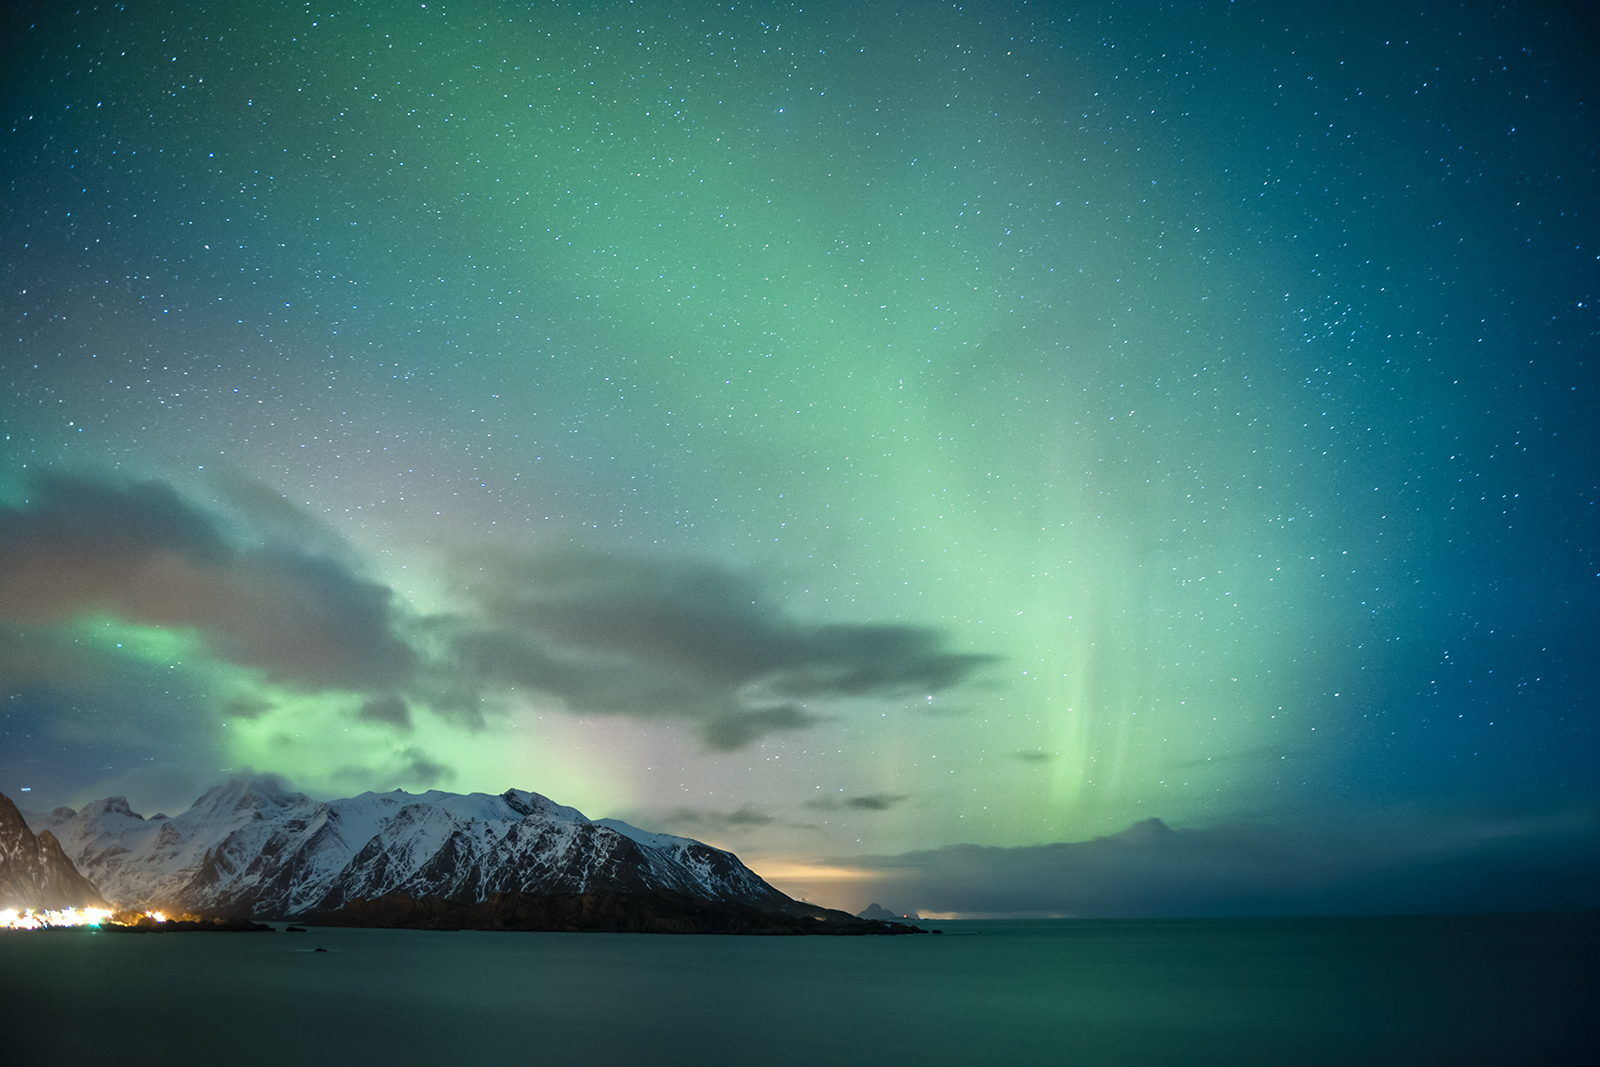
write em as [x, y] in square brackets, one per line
[34, 871]
[319, 948]
[648, 912]
[294, 929]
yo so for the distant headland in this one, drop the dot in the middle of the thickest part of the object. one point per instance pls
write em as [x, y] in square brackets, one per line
[250, 851]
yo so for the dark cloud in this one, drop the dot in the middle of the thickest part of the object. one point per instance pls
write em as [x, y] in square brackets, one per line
[263, 509]
[876, 801]
[389, 709]
[141, 553]
[1033, 757]
[1470, 863]
[246, 707]
[605, 634]
[869, 802]
[650, 637]
[419, 769]
[703, 620]
[712, 821]
[737, 728]
[87, 519]
[409, 767]
[608, 683]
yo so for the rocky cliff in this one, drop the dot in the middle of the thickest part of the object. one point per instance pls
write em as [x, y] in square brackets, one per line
[34, 871]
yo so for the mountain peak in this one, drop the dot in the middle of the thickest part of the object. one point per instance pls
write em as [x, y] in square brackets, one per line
[526, 804]
[238, 793]
[254, 849]
[112, 806]
[1144, 832]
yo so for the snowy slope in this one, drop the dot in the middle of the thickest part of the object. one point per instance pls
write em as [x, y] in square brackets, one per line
[254, 849]
[34, 871]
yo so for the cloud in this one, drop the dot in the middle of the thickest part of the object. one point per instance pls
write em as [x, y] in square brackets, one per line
[389, 709]
[417, 768]
[704, 621]
[141, 553]
[264, 509]
[656, 637]
[1462, 863]
[406, 767]
[270, 589]
[246, 707]
[876, 801]
[869, 802]
[711, 821]
[737, 728]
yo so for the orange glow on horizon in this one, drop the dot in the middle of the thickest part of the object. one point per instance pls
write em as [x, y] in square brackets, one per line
[28, 919]
[796, 870]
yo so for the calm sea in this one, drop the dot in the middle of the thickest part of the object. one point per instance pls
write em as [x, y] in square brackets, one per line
[1434, 990]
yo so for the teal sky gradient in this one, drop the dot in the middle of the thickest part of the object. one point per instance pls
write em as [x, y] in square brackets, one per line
[1222, 378]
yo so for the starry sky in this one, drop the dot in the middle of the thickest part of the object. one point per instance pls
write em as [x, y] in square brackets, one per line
[834, 432]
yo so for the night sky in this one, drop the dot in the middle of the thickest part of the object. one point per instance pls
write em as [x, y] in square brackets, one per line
[831, 431]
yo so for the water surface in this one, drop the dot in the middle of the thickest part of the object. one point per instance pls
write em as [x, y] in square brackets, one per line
[1398, 990]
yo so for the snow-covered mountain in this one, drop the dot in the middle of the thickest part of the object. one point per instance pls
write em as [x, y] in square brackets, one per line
[252, 849]
[34, 871]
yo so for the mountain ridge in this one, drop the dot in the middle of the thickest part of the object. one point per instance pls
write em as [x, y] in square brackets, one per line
[255, 850]
[35, 872]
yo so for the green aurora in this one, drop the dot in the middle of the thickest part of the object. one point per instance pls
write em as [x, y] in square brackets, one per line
[1199, 400]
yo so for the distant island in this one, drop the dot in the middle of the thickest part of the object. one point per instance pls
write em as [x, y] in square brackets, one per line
[248, 851]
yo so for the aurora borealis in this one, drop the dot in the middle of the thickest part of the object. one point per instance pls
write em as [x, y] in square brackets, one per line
[829, 431]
